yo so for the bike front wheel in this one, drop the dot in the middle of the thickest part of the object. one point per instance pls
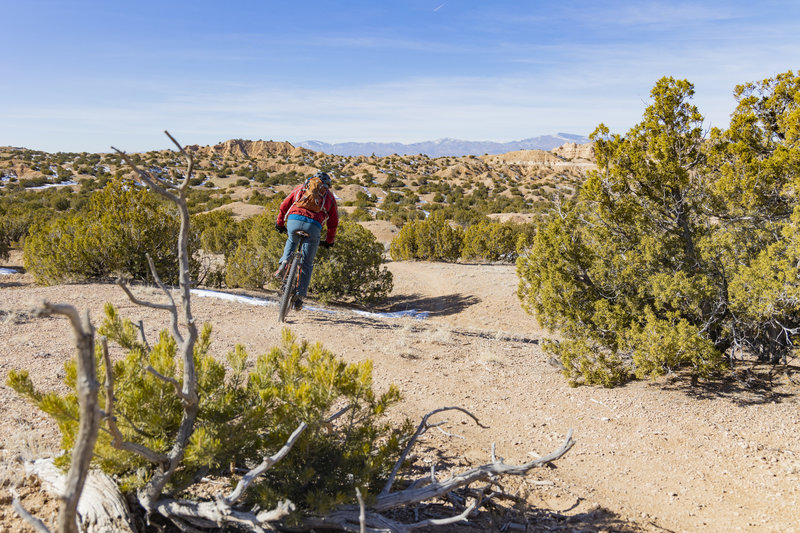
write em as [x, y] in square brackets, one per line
[289, 288]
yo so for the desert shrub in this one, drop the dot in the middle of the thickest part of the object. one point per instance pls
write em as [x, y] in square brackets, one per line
[353, 269]
[5, 239]
[256, 255]
[432, 239]
[219, 231]
[678, 253]
[359, 215]
[492, 241]
[121, 224]
[364, 199]
[243, 417]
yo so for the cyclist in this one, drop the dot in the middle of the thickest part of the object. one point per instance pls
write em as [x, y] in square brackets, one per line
[300, 212]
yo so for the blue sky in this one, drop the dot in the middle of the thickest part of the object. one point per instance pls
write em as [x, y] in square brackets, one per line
[84, 75]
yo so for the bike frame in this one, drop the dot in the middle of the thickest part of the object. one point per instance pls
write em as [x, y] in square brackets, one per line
[291, 277]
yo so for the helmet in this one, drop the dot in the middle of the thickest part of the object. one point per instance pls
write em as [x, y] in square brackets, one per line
[326, 179]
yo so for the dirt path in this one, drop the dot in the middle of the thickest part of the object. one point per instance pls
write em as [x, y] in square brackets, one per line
[656, 456]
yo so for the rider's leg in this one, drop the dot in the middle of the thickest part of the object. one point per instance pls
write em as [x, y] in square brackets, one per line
[291, 227]
[310, 246]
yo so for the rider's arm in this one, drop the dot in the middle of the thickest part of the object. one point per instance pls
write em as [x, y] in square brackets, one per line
[286, 204]
[333, 221]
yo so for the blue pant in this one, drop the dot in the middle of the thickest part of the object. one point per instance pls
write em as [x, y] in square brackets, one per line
[310, 246]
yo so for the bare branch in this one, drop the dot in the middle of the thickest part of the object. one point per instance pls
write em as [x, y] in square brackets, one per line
[422, 428]
[172, 381]
[265, 465]
[461, 517]
[212, 514]
[143, 303]
[118, 440]
[405, 497]
[32, 521]
[144, 337]
[338, 413]
[157, 279]
[154, 182]
[89, 422]
[189, 162]
[149, 495]
[362, 515]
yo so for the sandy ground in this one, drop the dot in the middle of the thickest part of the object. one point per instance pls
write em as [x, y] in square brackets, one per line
[649, 456]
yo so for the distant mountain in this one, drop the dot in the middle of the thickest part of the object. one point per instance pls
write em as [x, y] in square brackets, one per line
[444, 147]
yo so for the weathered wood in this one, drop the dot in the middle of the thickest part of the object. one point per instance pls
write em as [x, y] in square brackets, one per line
[497, 468]
[150, 494]
[101, 507]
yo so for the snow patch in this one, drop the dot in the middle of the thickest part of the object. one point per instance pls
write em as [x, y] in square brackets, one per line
[249, 300]
[413, 313]
[263, 302]
[6, 271]
[51, 185]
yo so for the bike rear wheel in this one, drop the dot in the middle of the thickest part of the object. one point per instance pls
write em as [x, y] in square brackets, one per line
[289, 288]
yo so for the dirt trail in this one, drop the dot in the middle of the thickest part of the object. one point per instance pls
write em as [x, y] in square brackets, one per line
[658, 456]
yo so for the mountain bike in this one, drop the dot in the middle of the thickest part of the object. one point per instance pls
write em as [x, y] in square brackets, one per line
[291, 277]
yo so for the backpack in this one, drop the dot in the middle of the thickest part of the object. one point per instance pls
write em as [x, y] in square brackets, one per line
[313, 195]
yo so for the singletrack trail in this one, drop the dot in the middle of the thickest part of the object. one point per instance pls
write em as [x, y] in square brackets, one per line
[657, 456]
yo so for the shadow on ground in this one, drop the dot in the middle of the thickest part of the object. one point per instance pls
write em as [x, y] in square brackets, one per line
[505, 511]
[449, 304]
[750, 383]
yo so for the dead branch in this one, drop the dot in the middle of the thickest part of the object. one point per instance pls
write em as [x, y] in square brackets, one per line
[349, 519]
[265, 465]
[118, 441]
[89, 422]
[422, 428]
[398, 499]
[143, 303]
[149, 494]
[212, 514]
[362, 513]
[32, 521]
[156, 183]
[144, 337]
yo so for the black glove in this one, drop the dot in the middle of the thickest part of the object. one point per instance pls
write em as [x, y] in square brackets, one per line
[281, 229]
[326, 244]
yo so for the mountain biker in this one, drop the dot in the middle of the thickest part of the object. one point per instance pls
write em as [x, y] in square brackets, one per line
[293, 217]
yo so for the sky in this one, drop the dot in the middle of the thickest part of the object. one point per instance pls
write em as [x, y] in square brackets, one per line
[85, 75]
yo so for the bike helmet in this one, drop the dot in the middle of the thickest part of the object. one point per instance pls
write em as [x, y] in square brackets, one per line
[326, 179]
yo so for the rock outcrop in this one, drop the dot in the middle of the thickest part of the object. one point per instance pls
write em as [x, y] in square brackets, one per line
[576, 152]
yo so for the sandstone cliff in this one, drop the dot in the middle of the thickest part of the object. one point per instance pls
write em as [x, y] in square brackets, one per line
[576, 152]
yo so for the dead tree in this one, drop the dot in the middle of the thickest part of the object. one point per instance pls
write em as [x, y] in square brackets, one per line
[87, 387]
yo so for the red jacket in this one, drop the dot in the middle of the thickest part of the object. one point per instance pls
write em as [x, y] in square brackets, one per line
[328, 215]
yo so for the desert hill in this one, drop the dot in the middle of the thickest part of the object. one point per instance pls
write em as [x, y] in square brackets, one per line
[393, 187]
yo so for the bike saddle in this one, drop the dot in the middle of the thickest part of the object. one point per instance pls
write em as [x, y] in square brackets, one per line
[301, 233]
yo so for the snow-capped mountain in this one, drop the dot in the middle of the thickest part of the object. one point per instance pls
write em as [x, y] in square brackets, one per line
[444, 147]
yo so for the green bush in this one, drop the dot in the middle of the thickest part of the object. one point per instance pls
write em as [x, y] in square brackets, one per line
[255, 256]
[243, 417]
[432, 239]
[5, 239]
[677, 253]
[121, 224]
[219, 231]
[352, 270]
[493, 241]
[360, 215]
